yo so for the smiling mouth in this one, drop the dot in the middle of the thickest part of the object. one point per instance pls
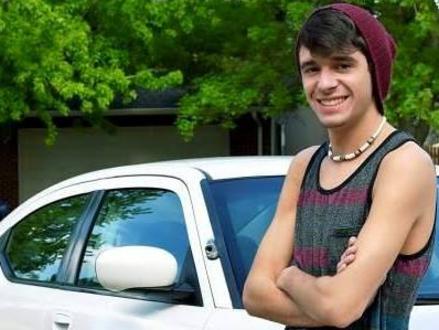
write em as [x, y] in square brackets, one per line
[333, 101]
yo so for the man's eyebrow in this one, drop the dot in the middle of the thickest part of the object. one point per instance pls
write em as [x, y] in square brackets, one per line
[306, 64]
[343, 58]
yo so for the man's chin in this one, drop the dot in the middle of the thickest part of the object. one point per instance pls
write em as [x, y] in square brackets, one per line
[331, 123]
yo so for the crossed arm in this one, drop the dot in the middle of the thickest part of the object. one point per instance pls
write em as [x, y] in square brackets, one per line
[262, 297]
[404, 194]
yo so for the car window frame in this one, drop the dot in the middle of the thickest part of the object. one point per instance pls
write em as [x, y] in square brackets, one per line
[221, 228]
[97, 188]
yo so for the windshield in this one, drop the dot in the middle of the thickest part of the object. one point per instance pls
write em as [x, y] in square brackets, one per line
[246, 207]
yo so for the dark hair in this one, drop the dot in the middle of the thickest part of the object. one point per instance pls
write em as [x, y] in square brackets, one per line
[329, 31]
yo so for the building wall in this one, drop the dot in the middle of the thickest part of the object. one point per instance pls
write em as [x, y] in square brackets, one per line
[301, 130]
[79, 150]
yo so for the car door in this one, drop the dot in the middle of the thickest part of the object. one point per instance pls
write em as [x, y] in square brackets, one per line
[31, 255]
[240, 210]
[150, 211]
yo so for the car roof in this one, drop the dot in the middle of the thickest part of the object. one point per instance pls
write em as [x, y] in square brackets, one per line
[217, 168]
[231, 167]
[212, 168]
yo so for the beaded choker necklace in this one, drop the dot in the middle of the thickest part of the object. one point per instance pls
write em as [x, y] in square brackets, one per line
[359, 151]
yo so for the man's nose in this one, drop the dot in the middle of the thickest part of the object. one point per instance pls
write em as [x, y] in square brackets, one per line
[327, 80]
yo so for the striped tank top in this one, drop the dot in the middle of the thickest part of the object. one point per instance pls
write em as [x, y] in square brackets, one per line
[327, 218]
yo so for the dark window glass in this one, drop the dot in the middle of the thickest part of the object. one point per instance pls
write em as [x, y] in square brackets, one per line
[430, 285]
[245, 208]
[37, 243]
[147, 217]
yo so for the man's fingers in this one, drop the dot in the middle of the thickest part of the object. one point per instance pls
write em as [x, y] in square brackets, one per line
[341, 267]
[346, 261]
[348, 255]
[349, 258]
[350, 250]
[352, 240]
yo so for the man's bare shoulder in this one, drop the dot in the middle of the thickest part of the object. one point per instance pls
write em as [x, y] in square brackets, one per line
[299, 164]
[302, 158]
[293, 181]
[409, 160]
[307, 152]
[407, 172]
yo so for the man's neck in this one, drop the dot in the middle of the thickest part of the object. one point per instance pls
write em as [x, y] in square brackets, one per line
[349, 138]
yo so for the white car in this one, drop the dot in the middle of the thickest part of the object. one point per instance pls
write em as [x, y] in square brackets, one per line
[156, 246]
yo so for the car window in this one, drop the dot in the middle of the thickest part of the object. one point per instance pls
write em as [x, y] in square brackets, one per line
[146, 217]
[429, 288]
[37, 244]
[245, 207]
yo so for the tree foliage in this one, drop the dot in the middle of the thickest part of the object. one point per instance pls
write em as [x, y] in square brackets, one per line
[58, 55]
[231, 55]
[259, 69]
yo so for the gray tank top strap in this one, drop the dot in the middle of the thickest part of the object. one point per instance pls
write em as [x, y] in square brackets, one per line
[364, 175]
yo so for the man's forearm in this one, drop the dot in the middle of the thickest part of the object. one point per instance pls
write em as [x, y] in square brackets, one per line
[264, 299]
[306, 292]
[319, 297]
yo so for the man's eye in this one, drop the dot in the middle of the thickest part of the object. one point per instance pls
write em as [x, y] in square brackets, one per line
[344, 67]
[310, 69]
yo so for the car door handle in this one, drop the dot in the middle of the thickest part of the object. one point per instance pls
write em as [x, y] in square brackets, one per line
[61, 321]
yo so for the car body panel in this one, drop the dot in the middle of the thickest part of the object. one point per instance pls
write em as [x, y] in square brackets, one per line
[424, 317]
[26, 306]
[238, 319]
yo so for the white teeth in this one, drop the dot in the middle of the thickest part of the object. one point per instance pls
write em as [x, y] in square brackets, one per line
[332, 102]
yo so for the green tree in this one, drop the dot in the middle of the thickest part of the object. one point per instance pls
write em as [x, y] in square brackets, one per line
[414, 100]
[59, 55]
[231, 56]
[255, 63]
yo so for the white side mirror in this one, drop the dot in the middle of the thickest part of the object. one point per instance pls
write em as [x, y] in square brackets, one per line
[128, 267]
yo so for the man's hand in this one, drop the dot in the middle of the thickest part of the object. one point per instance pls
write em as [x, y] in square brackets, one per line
[348, 255]
[346, 259]
[284, 278]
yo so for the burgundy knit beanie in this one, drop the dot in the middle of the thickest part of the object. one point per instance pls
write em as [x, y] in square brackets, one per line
[380, 46]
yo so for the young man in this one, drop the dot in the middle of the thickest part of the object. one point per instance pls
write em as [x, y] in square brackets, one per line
[370, 181]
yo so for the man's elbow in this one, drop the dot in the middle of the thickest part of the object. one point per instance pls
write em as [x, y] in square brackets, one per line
[338, 307]
[343, 319]
[256, 297]
[250, 300]
[341, 315]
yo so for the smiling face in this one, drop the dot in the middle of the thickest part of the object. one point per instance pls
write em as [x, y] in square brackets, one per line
[338, 87]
